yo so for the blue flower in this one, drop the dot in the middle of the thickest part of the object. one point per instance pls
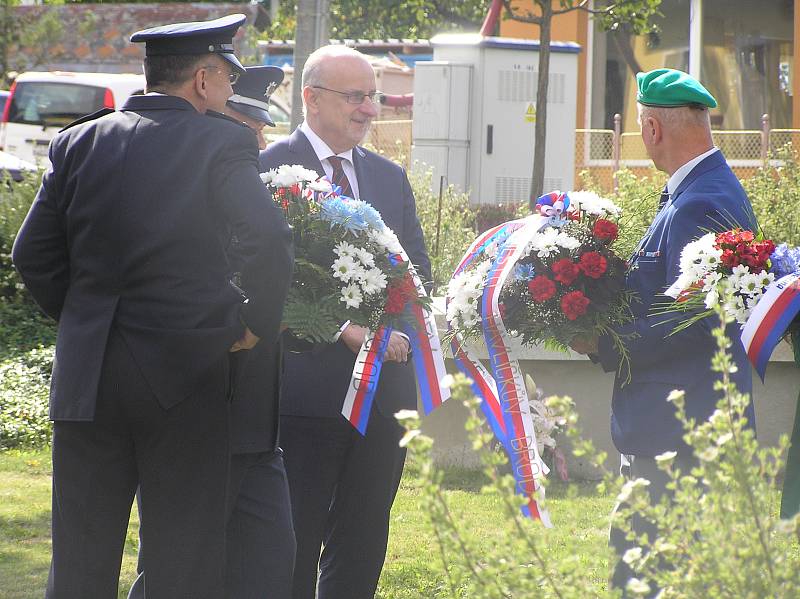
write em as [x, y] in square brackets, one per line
[523, 272]
[353, 215]
[785, 260]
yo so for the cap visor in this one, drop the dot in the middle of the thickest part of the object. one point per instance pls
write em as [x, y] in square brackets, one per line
[253, 112]
[231, 58]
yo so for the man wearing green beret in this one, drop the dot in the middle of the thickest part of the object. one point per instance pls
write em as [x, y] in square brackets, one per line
[701, 195]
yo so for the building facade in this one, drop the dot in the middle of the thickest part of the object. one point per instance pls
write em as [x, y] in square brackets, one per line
[742, 50]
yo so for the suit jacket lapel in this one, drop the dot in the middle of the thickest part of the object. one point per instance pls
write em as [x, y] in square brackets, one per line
[300, 146]
[712, 161]
[366, 191]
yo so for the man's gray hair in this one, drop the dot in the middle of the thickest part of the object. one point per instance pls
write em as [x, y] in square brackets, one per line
[677, 117]
[312, 71]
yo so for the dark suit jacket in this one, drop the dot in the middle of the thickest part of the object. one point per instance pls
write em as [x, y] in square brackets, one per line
[642, 421]
[129, 229]
[315, 383]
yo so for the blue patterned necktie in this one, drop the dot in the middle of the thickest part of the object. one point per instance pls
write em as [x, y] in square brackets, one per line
[340, 177]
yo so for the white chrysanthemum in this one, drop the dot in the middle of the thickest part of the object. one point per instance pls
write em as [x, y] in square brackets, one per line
[737, 272]
[367, 259]
[750, 284]
[345, 249]
[711, 280]
[345, 268]
[712, 298]
[321, 185]
[385, 238]
[765, 279]
[299, 172]
[267, 177]
[351, 295]
[545, 242]
[591, 203]
[567, 241]
[694, 259]
[373, 281]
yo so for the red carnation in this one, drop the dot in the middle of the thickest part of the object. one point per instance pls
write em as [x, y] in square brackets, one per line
[605, 229]
[593, 264]
[746, 236]
[399, 294]
[295, 189]
[574, 304]
[541, 288]
[565, 271]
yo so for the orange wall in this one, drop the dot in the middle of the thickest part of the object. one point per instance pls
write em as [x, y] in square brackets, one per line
[570, 27]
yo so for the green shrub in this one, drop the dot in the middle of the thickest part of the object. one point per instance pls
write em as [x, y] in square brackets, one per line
[15, 201]
[24, 399]
[448, 229]
[719, 537]
[775, 194]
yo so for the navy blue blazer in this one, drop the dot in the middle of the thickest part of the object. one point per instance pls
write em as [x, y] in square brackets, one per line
[129, 229]
[642, 421]
[315, 383]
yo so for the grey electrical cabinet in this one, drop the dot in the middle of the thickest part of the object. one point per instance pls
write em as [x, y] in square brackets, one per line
[475, 109]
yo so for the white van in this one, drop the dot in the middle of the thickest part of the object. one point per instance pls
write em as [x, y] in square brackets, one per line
[43, 103]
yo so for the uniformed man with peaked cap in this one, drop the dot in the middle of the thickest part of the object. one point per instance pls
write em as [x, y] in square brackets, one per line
[701, 195]
[125, 246]
[260, 543]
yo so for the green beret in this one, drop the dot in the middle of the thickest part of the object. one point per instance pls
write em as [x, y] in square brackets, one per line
[671, 88]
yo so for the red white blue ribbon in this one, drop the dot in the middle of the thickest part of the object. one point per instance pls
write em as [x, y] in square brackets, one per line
[364, 382]
[426, 357]
[504, 397]
[769, 320]
[527, 466]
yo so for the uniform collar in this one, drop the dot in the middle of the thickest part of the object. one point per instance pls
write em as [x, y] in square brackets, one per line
[157, 102]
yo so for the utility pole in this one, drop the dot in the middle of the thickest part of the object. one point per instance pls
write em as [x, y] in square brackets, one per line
[312, 32]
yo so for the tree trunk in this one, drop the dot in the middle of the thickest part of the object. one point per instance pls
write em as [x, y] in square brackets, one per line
[311, 33]
[540, 131]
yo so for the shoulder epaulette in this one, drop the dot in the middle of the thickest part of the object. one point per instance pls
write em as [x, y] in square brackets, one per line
[219, 115]
[89, 117]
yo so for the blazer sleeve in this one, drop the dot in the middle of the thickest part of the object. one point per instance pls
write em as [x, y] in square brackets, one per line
[650, 342]
[264, 238]
[413, 240]
[40, 252]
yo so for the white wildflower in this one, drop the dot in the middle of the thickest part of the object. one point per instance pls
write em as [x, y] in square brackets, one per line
[667, 457]
[632, 555]
[345, 249]
[637, 587]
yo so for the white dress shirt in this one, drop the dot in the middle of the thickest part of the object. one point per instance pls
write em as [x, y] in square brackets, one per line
[323, 152]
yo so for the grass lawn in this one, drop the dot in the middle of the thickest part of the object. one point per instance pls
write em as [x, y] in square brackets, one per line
[412, 571]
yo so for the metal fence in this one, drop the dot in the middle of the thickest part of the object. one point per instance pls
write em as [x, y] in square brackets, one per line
[599, 153]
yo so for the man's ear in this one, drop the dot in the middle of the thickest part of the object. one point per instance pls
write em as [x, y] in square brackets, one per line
[310, 99]
[201, 83]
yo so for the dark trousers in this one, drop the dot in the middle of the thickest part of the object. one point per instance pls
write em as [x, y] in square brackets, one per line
[260, 539]
[342, 486]
[178, 457]
[642, 467]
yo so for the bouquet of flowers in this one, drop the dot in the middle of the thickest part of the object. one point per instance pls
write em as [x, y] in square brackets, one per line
[567, 281]
[732, 267]
[348, 264]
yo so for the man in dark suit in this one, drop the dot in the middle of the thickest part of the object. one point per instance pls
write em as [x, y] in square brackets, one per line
[702, 194]
[260, 544]
[342, 485]
[125, 247]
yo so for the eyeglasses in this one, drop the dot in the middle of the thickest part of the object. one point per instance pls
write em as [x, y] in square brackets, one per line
[354, 97]
[233, 76]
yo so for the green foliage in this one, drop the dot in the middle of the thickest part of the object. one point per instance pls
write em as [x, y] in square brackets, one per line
[449, 231]
[719, 536]
[315, 321]
[775, 194]
[24, 398]
[376, 19]
[15, 201]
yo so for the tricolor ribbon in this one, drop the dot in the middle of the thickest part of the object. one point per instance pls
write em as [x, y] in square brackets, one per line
[426, 357]
[503, 394]
[527, 466]
[769, 320]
